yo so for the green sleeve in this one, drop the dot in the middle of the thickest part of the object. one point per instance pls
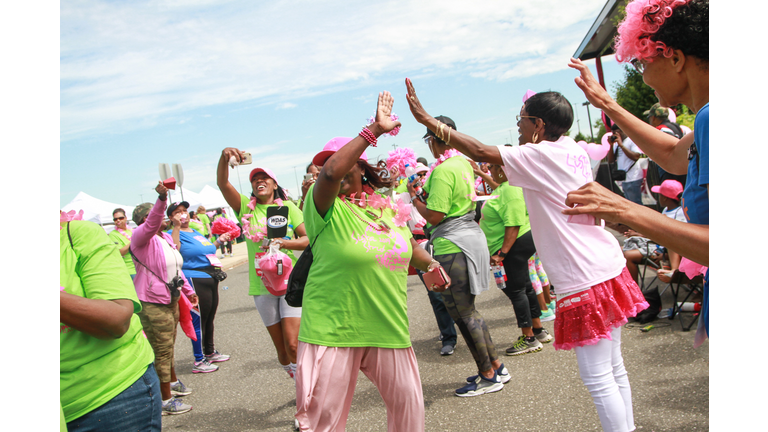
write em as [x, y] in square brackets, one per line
[442, 183]
[313, 222]
[101, 268]
[294, 215]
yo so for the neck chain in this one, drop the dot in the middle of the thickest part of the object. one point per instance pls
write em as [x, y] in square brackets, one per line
[380, 225]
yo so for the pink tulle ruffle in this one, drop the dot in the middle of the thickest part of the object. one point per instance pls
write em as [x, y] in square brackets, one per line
[615, 301]
[223, 225]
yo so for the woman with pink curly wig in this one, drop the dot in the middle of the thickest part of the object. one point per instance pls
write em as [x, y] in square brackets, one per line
[667, 41]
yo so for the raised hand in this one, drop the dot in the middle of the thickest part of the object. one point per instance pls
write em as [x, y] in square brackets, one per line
[232, 155]
[418, 111]
[384, 112]
[161, 189]
[595, 93]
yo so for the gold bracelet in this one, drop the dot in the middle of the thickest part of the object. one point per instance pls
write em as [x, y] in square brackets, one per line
[448, 143]
[441, 135]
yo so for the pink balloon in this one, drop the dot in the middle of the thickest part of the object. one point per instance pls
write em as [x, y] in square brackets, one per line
[528, 94]
[597, 151]
[686, 129]
[672, 115]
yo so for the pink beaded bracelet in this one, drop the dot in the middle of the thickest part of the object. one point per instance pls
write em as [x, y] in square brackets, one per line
[368, 136]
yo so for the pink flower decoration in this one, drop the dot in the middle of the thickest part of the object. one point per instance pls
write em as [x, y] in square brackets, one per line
[378, 202]
[279, 202]
[252, 203]
[69, 216]
[403, 214]
[363, 200]
[393, 116]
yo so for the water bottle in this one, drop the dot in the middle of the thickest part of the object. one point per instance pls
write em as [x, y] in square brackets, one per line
[689, 307]
[411, 174]
[500, 276]
[225, 287]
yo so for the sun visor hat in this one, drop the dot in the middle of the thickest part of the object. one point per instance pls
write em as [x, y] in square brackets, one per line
[332, 147]
[266, 171]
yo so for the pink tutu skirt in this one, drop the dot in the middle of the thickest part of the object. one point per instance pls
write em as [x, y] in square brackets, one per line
[589, 316]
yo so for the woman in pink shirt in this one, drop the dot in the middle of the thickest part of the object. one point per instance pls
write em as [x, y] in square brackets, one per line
[159, 282]
[596, 294]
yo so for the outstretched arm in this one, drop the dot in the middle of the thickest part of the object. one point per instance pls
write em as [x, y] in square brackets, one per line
[337, 166]
[231, 195]
[469, 146]
[670, 153]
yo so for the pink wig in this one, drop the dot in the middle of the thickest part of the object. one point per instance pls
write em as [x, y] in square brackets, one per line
[399, 157]
[643, 20]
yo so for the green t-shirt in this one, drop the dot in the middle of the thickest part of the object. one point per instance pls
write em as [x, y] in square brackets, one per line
[508, 210]
[451, 189]
[259, 223]
[402, 187]
[355, 294]
[206, 221]
[122, 239]
[93, 371]
[196, 225]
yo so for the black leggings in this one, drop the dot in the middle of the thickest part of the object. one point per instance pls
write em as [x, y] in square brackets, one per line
[519, 287]
[207, 290]
[460, 302]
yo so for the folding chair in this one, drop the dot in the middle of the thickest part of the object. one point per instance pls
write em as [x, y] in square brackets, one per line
[693, 286]
[646, 263]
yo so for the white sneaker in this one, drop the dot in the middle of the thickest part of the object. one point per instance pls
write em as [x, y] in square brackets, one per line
[204, 366]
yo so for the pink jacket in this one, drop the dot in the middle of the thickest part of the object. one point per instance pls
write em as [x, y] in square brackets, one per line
[147, 248]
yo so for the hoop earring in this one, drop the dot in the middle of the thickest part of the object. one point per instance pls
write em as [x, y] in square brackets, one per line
[535, 137]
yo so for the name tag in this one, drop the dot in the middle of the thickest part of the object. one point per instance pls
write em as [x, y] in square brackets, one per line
[214, 260]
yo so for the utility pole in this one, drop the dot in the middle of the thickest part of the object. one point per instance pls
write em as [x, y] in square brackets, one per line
[296, 177]
[589, 117]
[578, 123]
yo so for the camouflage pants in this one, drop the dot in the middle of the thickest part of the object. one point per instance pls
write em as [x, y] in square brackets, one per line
[159, 322]
[460, 303]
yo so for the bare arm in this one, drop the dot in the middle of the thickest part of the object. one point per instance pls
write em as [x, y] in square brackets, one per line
[102, 319]
[337, 166]
[510, 236]
[664, 149]
[124, 250]
[467, 145]
[231, 195]
[299, 243]
[687, 239]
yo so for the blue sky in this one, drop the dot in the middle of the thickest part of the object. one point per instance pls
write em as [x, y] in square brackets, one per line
[175, 82]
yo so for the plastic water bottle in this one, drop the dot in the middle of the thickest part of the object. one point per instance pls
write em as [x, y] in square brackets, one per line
[225, 287]
[665, 313]
[500, 276]
[689, 307]
[411, 174]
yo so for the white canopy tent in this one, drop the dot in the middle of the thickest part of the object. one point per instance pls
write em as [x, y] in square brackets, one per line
[94, 209]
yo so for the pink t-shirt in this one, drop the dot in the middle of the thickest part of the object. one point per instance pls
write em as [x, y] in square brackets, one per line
[575, 255]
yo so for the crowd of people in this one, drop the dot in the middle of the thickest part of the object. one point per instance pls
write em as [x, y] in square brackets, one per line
[478, 216]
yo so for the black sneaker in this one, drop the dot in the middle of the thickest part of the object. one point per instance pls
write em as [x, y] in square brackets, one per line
[522, 346]
[446, 350]
[502, 372]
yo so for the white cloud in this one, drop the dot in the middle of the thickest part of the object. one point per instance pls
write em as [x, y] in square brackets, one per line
[124, 65]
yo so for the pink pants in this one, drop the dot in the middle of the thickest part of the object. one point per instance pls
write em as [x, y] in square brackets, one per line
[326, 379]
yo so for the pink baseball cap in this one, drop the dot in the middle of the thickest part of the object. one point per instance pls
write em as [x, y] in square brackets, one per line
[420, 167]
[332, 147]
[266, 171]
[669, 188]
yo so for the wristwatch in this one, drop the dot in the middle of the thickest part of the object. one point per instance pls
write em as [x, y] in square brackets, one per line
[502, 254]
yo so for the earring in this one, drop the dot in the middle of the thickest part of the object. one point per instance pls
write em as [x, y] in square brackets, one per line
[364, 179]
[535, 137]
[500, 176]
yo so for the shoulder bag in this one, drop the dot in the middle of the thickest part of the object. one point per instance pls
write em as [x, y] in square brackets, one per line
[294, 295]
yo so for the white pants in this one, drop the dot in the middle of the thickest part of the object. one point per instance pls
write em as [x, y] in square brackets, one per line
[602, 370]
